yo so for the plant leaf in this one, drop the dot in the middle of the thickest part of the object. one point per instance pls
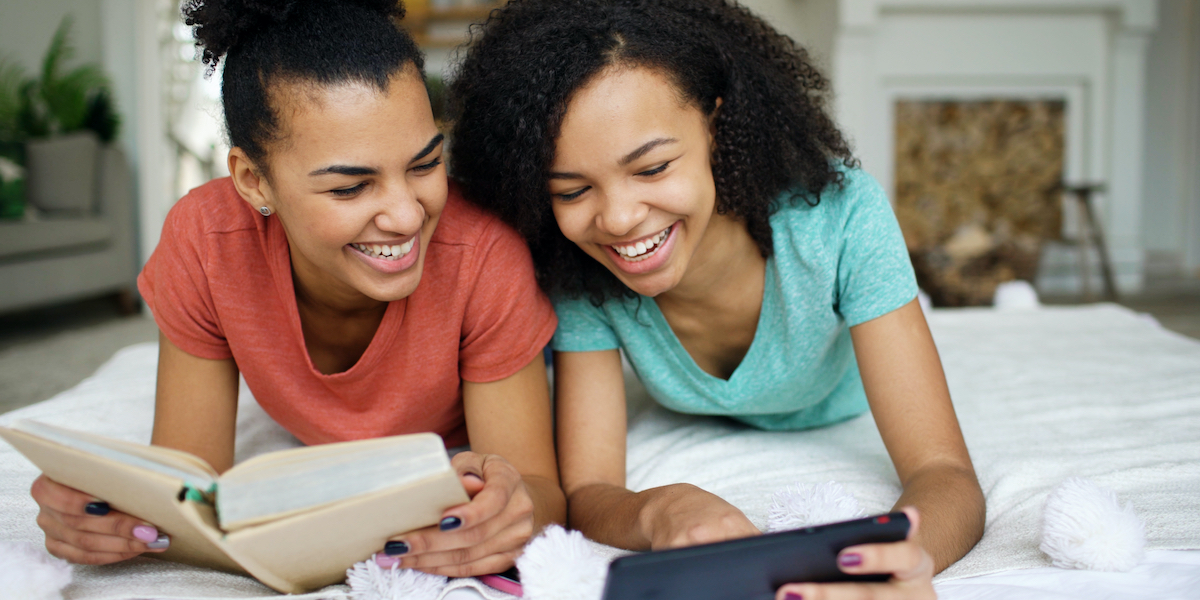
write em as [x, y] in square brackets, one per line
[12, 76]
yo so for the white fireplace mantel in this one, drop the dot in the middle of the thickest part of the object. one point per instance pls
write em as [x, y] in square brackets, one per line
[1090, 53]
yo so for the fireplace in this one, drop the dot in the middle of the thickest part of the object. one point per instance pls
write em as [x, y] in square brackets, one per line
[977, 191]
[1077, 63]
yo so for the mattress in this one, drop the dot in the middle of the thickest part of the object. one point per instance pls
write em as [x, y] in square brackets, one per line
[1043, 394]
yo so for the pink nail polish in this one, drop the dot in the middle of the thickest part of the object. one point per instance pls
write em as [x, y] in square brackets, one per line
[386, 561]
[850, 559]
[145, 533]
[793, 596]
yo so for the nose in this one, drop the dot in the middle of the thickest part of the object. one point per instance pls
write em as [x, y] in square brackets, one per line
[620, 212]
[400, 211]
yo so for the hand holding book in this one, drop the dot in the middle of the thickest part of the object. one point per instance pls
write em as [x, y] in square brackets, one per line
[85, 531]
[483, 536]
[295, 519]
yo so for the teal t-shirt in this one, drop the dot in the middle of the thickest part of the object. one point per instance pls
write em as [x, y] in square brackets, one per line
[835, 265]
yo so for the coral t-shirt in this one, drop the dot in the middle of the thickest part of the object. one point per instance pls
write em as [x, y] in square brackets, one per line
[220, 286]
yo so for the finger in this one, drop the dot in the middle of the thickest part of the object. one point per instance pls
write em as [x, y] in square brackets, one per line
[914, 520]
[87, 542]
[114, 523]
[79, 556]
[494, 563]
[518, 516]
[900, 559]
[500, 482]
[469, 467]
[511, 539]
[50, 493]
[731, 526]
[854, 591]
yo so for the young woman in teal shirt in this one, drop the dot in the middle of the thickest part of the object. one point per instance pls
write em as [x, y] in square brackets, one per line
[688, 201]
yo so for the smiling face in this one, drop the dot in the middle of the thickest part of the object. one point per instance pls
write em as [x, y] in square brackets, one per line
[358, 184]
[631, 181]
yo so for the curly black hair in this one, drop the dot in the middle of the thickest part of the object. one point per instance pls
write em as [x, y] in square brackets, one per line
[318, 41]
[511, 91]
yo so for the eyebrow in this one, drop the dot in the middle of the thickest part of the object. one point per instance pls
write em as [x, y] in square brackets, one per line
[625, 160]
[437, 139]
[644, 148]
[360, 171]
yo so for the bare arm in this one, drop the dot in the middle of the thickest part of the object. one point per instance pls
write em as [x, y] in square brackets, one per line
[195, 404]
[906, 388]
[512, 418]
[590, 400]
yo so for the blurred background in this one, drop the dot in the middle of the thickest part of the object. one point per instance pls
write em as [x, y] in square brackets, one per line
[1051, 141]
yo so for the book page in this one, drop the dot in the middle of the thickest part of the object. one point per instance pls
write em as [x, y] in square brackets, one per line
[284, 483]
[172, 463]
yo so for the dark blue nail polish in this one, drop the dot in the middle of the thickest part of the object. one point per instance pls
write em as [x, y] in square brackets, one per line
[450, 523]
[98, 509]
[395, 548]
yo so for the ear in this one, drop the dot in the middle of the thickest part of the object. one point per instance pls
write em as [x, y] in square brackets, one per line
[251, 185]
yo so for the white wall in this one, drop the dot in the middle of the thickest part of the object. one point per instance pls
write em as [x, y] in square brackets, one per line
[27, 25]
[811, 23]
[1172, 114]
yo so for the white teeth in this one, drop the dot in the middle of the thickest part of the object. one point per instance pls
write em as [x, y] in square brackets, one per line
[642, 250]
[385, 251]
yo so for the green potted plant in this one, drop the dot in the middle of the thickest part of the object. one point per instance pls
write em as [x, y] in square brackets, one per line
[12, 175]
[54, 124]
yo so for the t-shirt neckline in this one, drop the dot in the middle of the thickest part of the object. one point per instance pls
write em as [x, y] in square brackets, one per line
[281, 270]
[682, 355]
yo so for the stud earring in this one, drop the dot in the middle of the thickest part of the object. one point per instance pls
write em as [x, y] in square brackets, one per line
[264, 211]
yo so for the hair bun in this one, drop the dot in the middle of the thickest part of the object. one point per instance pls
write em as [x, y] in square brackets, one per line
[221, 25]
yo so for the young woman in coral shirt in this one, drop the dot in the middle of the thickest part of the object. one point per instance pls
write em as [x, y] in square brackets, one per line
[347, 282]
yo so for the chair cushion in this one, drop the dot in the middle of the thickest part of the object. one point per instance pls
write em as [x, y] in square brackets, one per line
[28, 237]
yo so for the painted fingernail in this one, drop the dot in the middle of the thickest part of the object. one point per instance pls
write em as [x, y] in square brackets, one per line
[386, 561]
[792, 596]
[850, 559]
[146, 533]
[97, 508]
[162, 542]
[450, 523]
[395, 548]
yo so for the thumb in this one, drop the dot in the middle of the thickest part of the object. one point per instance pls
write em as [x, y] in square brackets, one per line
[472, 483]
[469, 466]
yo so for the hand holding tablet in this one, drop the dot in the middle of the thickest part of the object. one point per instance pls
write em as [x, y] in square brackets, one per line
[751, 568]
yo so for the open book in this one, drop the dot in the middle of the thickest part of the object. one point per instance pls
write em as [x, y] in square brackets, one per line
[294, 519]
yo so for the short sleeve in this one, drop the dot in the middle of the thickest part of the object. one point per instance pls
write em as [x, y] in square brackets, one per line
[582, 327]
[508, 320]
[874, 274]
[175, 286]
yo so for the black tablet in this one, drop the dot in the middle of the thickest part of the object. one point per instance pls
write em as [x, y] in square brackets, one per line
[750, 568]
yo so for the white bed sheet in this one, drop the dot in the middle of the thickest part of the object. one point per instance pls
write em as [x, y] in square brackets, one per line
[1042, 395]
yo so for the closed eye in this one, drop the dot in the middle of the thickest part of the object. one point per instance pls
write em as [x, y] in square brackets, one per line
[655, 170]
[572, 195]
[429, 166]
[350, 191]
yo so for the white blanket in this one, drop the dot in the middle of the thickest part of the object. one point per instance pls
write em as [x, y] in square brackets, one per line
[1042, 395]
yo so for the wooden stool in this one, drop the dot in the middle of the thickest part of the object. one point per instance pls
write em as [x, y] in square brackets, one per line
[1090, 234]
